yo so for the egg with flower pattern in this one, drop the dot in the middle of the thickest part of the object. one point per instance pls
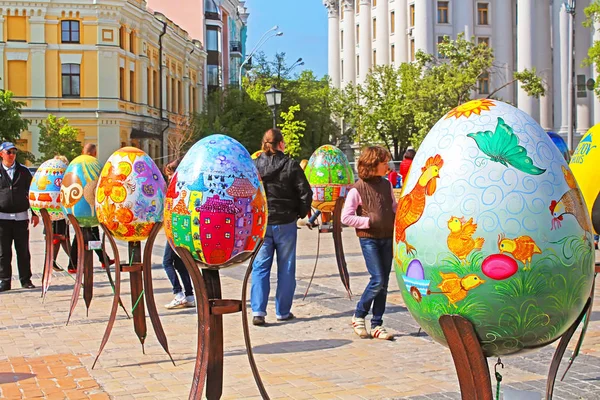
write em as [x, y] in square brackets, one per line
[130, 195]
[78, 187]
[44, 191]
[215, 205]
[329, 174]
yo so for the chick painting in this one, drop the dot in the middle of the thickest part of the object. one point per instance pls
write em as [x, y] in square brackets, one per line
[522, 248]
[456, 288]
[460, 240]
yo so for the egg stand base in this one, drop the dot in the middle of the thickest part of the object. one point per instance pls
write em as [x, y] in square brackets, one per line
[140, 279]
[211, 307]
[49, 258]
[471, 365]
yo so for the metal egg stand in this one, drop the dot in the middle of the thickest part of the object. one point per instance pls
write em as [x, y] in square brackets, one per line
[49, 250]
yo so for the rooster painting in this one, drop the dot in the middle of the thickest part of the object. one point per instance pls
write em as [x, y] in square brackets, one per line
[460, 240]
[411, 206]
[570, 203]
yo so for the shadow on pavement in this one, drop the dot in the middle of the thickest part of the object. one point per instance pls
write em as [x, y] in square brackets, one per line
[11, 377]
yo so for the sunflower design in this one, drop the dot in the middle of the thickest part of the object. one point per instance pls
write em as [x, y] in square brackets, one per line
[111, 182]
[471, 107]
[107, 216]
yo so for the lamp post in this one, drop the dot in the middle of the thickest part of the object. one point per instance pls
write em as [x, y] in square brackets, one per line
[273, 96]
[263, 39]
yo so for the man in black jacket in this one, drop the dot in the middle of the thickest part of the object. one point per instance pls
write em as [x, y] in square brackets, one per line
[288, 198]
[15, 180]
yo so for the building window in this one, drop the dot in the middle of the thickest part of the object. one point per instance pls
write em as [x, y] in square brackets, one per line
[374, 28]
[155, 91]
[374, 3]
[342, 70]
[411, 15]
[484, 83]
[342, 41]
[213, 40]
[483, 39]
[122, 34]
[440, 40]
[132, 42]
[69, 31]
[357, 34]
[16, 28]
[71, 80]
[374, 57]
[212, 75]
[168, 93]
[412, 49]
[392, 22]
[132, 86]
[180, 99]
[149, 97]
[581, 86]
[483, 14]
[442, 12]
[357, 65]
[393, 53]
[122, 83]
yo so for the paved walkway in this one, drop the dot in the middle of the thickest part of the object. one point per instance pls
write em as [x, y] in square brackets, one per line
[315, 356]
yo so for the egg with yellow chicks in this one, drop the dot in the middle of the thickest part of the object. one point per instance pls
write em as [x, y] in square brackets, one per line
[491, 225]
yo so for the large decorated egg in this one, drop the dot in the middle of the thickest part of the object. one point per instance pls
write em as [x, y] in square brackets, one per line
[561, 144]
[78, 189]
[585, 165]
[44, 191]
[130, 194]
[216, 205]
[329, 174]
[492, 226]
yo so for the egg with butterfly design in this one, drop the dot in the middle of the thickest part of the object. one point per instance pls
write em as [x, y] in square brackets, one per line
[130, 194]
[493, 214]
[44, 191]
[78, 189]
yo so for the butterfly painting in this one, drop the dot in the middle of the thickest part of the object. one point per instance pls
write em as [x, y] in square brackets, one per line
[502, 146]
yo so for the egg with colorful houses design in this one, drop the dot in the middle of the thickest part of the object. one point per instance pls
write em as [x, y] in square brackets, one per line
[130, 194]
[44, 191]
[215, 204]
[78, 190]
[329, 174]
[492, 226]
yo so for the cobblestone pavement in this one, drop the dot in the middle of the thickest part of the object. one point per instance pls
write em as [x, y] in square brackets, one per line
[315, 356]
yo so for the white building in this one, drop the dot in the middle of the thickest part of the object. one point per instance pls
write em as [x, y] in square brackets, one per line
[363, 33]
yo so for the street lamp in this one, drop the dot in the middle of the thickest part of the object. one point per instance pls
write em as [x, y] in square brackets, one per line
[263, 39]
[273, 96]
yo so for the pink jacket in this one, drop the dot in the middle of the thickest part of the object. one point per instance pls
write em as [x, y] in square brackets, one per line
[349, 216]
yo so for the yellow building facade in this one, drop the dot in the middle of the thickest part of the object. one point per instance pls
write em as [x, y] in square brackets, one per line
[120, 73]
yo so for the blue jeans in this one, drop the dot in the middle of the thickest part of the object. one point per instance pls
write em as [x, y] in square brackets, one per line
[172, 263]
[280, 239]
[378, 258]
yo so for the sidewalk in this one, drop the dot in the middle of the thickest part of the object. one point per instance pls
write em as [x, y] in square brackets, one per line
[315, 356]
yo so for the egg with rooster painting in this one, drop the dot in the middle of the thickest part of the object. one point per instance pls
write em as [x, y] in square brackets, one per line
[44, 191]
[78, 189]
[329, 174]
[492, 226]
[215, 205]
[130, 195]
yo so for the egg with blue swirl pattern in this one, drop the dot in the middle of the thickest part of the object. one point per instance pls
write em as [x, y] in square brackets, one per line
[78, 190]
[495, 218]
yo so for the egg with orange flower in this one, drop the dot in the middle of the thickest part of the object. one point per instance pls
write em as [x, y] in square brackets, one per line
[130, 195]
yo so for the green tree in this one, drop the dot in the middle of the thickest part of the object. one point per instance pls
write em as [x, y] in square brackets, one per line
[592, 12]
[11, 123]
[292, 131]
[57, 137]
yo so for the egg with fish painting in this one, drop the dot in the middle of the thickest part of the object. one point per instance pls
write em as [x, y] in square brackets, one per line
[491, 225]
[215, 205]
[44, 191]
[329, 174]
[78, 189]
[130, 194]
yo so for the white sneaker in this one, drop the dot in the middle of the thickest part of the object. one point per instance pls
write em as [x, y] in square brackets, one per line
[178, 302]
[190, 301]
[380, 332]
[358, 324]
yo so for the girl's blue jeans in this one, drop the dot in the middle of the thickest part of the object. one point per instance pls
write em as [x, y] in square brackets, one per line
[280, 239]
[378, 258]
[173, 266]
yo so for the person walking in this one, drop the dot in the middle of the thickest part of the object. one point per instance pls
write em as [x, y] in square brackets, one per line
[15, 180]
[370, 208]
[90, 150]
[173, 265]
[288, 198]
[406, 163]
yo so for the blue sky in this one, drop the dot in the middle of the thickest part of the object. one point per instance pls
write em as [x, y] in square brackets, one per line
[304, 27]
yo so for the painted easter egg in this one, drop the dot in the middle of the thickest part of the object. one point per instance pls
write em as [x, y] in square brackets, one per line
[585, 164]
[415, 270]
[78, 190]
[44, 191]
[488, 185]
[130, 194]
[561, 144]
[215, 204]
[329, 174]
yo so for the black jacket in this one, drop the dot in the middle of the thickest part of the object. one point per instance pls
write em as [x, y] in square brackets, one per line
[288, 192]
[14, 194]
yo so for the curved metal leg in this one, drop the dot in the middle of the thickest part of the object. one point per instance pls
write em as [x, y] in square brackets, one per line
[338, 245]
[88, 272]
[80, 257]
[117, 266]
[560, 351]
[251, 361]
[203, 309]
[149, 290]
[136, 283]
[47, 275]
[116, 297]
